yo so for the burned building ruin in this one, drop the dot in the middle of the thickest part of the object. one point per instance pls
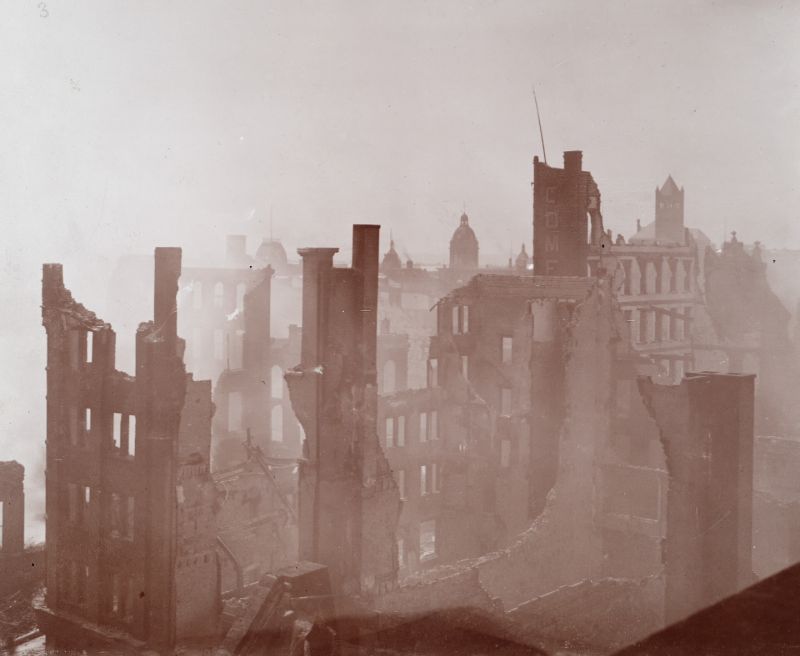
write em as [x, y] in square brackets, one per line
[131, 553]
[411, 440]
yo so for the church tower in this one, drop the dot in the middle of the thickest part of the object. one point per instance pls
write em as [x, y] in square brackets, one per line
[669, 214]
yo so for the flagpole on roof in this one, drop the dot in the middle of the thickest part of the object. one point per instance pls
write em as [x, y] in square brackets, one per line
[539, 120]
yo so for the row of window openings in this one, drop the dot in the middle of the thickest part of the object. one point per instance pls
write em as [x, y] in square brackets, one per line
[659, 326]
[75, 584]
[427, 545]
[79, 505]
[395, 435]
[123, 430]
[506, 357]
[657, 284]
[429, 482]
[218, 297]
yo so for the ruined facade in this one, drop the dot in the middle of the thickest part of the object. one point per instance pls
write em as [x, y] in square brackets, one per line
[348, 500]
[408, 427]
[240, 322]
[706, 426]
[130, 532]
[498, 356]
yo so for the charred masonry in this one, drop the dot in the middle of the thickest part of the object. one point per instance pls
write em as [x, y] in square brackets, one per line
[384, 440]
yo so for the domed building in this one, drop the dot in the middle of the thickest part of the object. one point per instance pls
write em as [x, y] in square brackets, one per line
[464, 246]
[391, 260]
[271, 252]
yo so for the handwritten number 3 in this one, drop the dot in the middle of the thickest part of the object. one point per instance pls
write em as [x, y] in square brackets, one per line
[43, 7]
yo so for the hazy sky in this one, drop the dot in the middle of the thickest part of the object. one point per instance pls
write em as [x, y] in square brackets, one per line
[125, 125]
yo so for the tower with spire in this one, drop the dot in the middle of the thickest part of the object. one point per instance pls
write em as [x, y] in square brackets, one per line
[669, 214]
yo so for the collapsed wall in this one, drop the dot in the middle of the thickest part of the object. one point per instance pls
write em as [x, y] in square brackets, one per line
[564, 546]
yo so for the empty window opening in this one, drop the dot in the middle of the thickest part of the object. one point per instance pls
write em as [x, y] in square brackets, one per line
[277, 382]
[427, 540]
[643, 326]
[507, 347]
[277, 423]
[505, 401]
[87, 419]
[132, 435]
[389, 377]
[234, 411]
[90, 347]
[235, 349]
[401, 483]
[122, 516]
[241, 288]
[423, 480]
[433, 372]
[400, 438]
[74, 349]
[219, 295]
[117, 430]
[389, 432]
[423, 426]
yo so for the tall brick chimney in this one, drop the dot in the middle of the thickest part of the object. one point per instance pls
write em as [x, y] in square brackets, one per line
[317, 263]
[573, 161]
[366, 256]
[165, 302]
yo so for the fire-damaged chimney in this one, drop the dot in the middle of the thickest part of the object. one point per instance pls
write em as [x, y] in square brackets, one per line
[348, 501]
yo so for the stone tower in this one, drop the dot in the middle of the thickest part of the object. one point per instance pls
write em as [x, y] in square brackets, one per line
[669, 214]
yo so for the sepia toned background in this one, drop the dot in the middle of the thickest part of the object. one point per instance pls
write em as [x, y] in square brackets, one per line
[127, 125]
